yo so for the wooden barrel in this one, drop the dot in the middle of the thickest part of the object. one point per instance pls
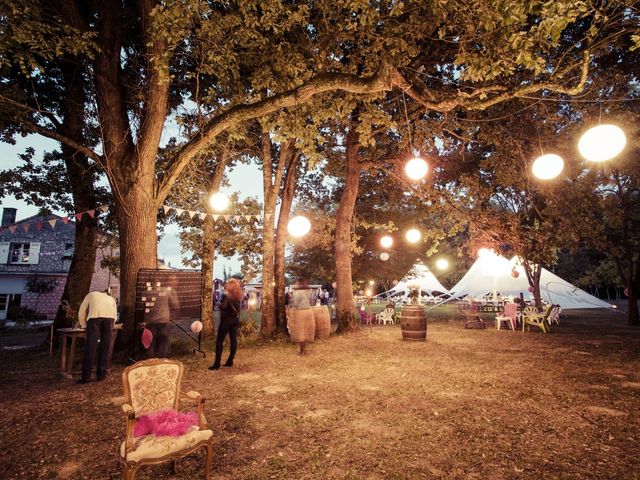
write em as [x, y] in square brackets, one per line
[413, 322]
[323, 321]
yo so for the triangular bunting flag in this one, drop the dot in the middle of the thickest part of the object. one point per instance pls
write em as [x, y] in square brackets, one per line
[103, 208]
[267, 216]
[12, 228]
[53, 223]
[179, 211]
[215, 217]
[248, 218]
[25, 226]
[79, 216]
[203, 216]
[39, 225]
[226, 217]
[91, 213]
[237, 218]
[191, 214]
[65, 220]
[166, 209]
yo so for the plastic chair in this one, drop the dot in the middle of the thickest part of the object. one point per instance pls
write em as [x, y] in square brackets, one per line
[386, 316]
[532, 317]
[471, 314]
[509, 316]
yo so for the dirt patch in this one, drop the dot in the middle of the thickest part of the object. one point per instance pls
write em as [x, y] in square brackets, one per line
[361, 406]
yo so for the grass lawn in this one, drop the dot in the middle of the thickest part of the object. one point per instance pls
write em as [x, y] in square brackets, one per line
[482, 404]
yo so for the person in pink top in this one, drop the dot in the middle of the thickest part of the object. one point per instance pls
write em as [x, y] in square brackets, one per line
[97, 313]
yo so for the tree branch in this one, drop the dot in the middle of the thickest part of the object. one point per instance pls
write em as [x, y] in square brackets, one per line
[45, 132]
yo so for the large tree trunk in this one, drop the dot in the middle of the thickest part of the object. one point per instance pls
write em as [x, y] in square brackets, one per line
[283, 219]
[208, 253]
[271, 187]
[345, 308]
[137, 218]
[632, 285]
[81, 182]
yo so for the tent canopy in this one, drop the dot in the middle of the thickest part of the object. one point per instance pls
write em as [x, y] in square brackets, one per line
[492, 273]
[421, 277]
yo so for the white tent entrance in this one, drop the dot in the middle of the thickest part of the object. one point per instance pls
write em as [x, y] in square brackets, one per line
[493, 274]
[418, 276]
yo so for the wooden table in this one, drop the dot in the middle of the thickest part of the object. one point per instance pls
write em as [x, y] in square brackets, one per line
[73, 334]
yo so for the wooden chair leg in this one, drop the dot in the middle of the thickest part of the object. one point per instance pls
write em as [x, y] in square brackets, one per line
[207, 462]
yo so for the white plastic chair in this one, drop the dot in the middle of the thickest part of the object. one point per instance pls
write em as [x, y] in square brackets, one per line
[386, 316]
[508, 315]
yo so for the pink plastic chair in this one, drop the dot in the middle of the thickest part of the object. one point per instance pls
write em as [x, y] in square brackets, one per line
[509, 316]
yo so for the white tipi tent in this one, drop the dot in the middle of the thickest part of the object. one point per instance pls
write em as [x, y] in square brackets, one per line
[493, 273]
[420, 276]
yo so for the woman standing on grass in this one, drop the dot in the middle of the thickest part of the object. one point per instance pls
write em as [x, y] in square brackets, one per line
[302, 326]
[229, 321]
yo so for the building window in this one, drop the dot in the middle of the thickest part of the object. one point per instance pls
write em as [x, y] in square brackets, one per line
[19, 253]
[68, 250]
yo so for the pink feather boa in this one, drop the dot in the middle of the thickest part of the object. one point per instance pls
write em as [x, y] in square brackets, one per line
[165, 423]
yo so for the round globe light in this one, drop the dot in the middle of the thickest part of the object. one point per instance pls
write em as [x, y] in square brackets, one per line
[299, 226]
[368, 292]
[442, 264]
[386, 241]
[413, 235]
[548, 166]
[416, 168]
[384, 256]
[219, 201]
[602, 143]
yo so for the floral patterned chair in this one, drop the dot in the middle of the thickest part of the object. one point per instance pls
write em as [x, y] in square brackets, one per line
[151, 386]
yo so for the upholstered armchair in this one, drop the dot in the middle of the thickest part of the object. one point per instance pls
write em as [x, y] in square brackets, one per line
[153, 386]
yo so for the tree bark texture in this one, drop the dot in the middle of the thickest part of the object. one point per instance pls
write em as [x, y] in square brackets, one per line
[81, 181]
[288, 194]
[345, 307]
[271, 182]
[208, 250]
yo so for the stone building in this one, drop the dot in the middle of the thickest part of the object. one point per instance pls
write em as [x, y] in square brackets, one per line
[35, 256]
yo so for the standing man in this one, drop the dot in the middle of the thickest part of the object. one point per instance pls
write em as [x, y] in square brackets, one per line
[97, 313]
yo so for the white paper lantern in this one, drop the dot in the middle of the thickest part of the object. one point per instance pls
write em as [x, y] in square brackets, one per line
[299, 226]
[219, 201]
[196, 327]
[386, 241]
[602, 143]
[548, 166]
[442, 264]
[416, 168]
[413, 235]
[384, 256]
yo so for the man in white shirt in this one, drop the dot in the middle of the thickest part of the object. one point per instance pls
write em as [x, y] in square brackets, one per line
[97, 313]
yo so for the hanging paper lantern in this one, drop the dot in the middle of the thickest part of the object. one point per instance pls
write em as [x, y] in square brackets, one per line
[299, 226]
[334, 284]
[146, 338]
[548, 166]
[515, 273]
[626, 292]
[219, 201]
[386, 241]
[416, 168]
[384, 256]
[413, 235]
[196, 327]
[531, 289]
[602, 143]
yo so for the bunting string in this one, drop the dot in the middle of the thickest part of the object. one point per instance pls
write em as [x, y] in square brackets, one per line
[40, 224]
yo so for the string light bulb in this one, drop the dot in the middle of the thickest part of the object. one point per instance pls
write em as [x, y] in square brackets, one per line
[416, 168]
[548, 166]
[299, 226]
[413, 235]
[219, 201]
[386, 241]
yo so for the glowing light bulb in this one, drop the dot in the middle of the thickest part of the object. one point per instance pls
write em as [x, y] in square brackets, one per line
[219, 201]
[384, 256]
[442, 264]
[299, 226]
[548, 166]
[602, 143]
[416, 168]
[386, 241]
[413, 235]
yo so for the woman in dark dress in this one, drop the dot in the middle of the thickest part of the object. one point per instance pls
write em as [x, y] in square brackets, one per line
[229, 321]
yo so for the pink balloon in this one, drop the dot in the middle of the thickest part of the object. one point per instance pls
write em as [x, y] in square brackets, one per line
[334, 284]
[147, 338]
[515, 273]
[196, 327]
[531, 289]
